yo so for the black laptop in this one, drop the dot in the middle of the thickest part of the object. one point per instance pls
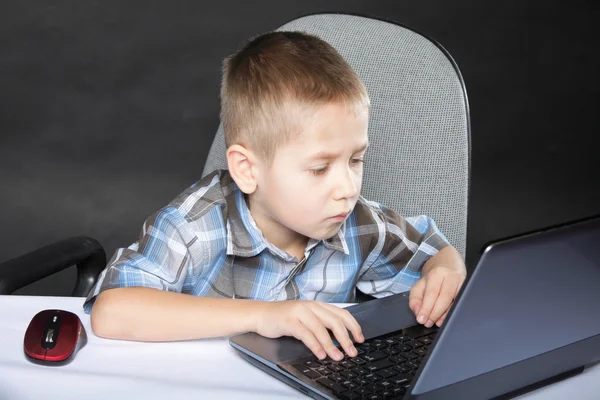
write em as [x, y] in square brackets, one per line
[528, 316]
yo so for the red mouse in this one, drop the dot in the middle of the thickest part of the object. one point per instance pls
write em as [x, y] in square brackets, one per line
[53, 337]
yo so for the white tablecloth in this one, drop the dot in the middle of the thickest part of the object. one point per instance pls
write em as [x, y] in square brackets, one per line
[199, 369]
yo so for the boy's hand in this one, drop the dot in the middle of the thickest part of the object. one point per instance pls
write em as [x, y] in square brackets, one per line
[308, 321]
[433, 294]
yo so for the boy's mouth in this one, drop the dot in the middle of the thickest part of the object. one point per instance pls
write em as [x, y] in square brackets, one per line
[340, 217]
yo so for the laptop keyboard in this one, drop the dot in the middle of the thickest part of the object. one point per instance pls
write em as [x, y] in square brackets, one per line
[383, 368]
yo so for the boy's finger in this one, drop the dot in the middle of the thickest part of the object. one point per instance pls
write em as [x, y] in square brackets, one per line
[445, 297]
[432, 290]
[331, 320]
[415, 297]
[312, 322]
[349, 322]
[304, 334]
[440, 321]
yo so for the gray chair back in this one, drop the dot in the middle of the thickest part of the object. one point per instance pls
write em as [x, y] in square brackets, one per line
[418, 161]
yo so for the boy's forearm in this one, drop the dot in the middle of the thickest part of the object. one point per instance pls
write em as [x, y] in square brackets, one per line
[145, 314]
[447, 256]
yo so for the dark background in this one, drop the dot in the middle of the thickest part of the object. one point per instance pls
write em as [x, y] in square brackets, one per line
[108, 109]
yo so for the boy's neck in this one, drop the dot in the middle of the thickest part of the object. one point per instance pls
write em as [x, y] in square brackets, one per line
[283, 238]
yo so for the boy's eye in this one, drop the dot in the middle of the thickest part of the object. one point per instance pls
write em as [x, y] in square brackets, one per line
[319, 171]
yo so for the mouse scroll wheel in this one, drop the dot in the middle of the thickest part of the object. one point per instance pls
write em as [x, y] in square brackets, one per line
[50, 336]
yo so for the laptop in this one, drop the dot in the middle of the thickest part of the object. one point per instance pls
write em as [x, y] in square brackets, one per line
[528, 316]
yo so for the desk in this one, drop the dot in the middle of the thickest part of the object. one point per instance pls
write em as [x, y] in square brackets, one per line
[200, 369]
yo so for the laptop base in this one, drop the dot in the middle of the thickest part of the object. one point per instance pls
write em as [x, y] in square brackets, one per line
[280, 376]
[538, 385]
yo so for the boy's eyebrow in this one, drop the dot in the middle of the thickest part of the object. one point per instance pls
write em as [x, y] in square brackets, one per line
[327, 155]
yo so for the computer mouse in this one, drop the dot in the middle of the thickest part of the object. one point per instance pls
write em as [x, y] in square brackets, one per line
[53, 337]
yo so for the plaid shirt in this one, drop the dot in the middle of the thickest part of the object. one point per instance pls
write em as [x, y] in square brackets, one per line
[206, 243]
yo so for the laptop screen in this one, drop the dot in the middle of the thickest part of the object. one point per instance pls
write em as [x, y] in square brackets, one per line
[526, 297]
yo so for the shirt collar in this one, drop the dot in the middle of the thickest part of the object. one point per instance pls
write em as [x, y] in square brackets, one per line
[245, 239]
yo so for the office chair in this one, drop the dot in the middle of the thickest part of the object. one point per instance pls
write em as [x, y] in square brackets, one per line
[418, 161]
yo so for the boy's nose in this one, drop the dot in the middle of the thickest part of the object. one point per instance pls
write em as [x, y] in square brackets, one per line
[346, 186]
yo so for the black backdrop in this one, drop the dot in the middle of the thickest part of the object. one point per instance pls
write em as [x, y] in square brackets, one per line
[108, 108]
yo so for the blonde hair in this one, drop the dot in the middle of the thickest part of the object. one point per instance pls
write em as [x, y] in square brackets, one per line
[275, 81]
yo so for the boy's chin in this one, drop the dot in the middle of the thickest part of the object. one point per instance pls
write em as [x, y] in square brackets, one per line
[325, 235]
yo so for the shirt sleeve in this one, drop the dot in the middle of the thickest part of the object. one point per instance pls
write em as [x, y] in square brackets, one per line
[404, 246]
[160, 259]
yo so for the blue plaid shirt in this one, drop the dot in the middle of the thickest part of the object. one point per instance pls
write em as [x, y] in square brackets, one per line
[206, 243]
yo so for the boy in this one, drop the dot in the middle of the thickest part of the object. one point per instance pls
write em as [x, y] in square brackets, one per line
[267, 244]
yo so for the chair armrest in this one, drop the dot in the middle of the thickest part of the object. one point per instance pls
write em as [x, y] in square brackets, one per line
[85, 252]
[363, 297]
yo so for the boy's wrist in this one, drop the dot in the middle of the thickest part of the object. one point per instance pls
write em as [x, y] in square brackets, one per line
[254, 311]
[447, 257]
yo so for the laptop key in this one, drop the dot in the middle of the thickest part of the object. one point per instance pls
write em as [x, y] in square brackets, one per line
[373, 387]
[363, 382]
[402, 369]
[422, 351]
[348, 374]
[401, 380]
[358, 361]
[307, 371]
[377, 365]
[374, 356]
[336, 368]
[372, 377]
[402, 338]
[363, 391]
[350, 396]
[359, 371]
[312, 364]
[390, 351]
[411, 355]
[366, 346]
[404, 348]
[324, 370]
[336, 377]
[386, 373]
[425, 340]
[398, 359]
[384, 385]
[335, 387]
[350, 385]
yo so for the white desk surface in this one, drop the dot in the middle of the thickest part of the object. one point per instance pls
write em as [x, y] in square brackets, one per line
[196, 369]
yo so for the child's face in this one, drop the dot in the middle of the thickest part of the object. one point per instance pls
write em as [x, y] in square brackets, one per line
[315, 179]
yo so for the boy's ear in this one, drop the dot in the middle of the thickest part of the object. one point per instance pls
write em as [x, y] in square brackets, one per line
[242, 166]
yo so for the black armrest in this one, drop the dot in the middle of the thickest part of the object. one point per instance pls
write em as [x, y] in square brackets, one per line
[82, 251]
[363, 297]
